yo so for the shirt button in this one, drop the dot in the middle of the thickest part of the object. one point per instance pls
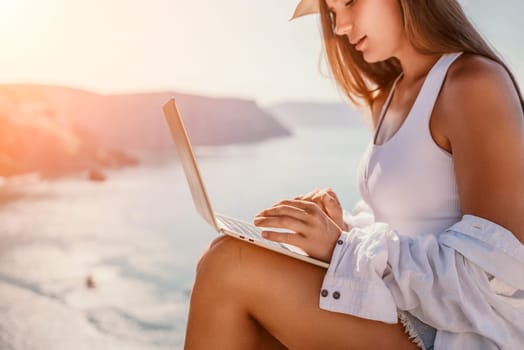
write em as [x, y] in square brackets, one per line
[336, 295]
[324, 293]
[340, 242]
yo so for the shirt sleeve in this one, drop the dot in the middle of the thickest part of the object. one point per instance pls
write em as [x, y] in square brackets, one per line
[375, 271]
[353, 283]
[445, 279]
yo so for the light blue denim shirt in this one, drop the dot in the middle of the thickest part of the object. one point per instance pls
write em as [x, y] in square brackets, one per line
[467, 281]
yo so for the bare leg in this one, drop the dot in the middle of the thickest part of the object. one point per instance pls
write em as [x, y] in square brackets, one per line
[268, 341]
[240, 286]
[216, 318]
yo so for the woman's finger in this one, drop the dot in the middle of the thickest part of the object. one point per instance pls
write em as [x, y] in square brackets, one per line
[285, 210]
[308, 206]
[288, 238]
[318, 201]
[309, 195]
[300, 196]
[285, 222]
[334, 195]
[318, 192]
[316, 195]
[332, 207]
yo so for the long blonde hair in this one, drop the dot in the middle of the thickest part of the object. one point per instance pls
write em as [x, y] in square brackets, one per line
[432, 27]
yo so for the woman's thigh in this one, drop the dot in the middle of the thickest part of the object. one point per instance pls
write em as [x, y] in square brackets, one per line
[283, 293]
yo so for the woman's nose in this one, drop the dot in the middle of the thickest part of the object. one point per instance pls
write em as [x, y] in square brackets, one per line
[342, 28]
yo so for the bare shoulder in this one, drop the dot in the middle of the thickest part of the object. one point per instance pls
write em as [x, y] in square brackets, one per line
[470, 68]
[476, 85]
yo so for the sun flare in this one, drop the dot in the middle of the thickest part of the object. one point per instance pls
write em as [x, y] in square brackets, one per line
[7, 5]
[7, 12]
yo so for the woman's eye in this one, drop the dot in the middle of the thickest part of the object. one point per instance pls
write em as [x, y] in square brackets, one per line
[332, 14]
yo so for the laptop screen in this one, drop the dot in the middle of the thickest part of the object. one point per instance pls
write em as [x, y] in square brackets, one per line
[187, 157]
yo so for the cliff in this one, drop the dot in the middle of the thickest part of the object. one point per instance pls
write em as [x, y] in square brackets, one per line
[56, 130]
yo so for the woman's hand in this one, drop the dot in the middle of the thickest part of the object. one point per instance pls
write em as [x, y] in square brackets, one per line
[328, 201]
[313, 230]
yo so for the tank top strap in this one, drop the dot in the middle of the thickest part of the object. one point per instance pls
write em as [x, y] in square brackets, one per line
[384, 107]
[390, 96]
[431, 88]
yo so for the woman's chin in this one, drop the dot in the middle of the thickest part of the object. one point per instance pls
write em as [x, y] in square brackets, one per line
[368, 57]
[373, 57]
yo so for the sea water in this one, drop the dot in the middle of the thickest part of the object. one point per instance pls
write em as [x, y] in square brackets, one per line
[110, 265]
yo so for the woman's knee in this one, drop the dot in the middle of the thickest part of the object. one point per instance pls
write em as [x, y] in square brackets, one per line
[230, 262]
[220, 256]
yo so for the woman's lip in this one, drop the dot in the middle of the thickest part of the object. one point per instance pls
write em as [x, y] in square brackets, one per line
[360, 42]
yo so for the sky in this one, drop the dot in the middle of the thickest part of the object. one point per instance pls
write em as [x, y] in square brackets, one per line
[225, 48]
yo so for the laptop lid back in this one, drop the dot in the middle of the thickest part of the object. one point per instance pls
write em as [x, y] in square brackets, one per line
[185, 153]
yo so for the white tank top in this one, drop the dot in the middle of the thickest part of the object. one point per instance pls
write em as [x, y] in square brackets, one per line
[409, 181]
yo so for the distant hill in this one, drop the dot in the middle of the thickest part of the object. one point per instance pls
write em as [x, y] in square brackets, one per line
[55, 130]
[135, 121]
[316, 115]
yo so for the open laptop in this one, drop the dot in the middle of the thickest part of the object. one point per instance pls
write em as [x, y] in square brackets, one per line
[221, 223]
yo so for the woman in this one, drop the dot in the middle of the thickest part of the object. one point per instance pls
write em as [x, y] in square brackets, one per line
[442, 182]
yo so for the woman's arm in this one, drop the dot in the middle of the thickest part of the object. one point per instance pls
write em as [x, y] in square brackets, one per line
[485, 127]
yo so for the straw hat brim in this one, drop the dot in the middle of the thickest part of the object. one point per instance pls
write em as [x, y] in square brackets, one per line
[306, 7]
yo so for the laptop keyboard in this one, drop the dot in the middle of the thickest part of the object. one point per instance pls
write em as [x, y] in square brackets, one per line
[240, 226]
[251, 231]
[247, 229]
